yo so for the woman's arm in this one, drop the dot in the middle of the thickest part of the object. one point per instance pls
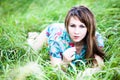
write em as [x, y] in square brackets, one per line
[68, 56]
[37, 42]
[98, 61]
[58, 63]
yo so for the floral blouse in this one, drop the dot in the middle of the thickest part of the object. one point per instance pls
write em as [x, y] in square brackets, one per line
[59, 40]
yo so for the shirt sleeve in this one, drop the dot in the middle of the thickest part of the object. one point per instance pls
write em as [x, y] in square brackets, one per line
[100, 40]
[54, 49]
[53, 33]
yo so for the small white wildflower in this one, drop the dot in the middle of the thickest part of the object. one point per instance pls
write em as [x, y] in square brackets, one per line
[87, 73]
[31, 68]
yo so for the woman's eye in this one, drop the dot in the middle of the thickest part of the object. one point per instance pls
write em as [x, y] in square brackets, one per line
[82, 26]
[72, 25]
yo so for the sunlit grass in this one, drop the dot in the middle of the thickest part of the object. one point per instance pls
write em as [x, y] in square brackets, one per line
[17, 18]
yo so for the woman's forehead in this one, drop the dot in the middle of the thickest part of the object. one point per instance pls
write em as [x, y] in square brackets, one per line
[74, 19]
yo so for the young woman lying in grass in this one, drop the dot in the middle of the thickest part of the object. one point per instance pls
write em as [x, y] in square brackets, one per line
[74, 40]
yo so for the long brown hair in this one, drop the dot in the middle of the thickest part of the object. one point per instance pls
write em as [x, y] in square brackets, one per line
[86, 17]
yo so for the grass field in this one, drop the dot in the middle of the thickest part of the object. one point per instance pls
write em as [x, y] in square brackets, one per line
[18, 17]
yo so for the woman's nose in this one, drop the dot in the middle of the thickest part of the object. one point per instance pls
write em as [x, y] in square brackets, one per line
[77, 31]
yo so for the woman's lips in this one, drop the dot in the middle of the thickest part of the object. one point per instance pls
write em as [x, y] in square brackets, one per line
[76, 37]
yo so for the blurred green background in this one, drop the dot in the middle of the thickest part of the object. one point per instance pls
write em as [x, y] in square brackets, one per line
[18, 17]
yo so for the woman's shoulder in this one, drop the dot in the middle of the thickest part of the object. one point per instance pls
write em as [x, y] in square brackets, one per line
[57, 25]
[100, 40]
[57, 30]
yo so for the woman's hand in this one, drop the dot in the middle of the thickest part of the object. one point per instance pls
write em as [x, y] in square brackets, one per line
[99, 60]
[69, 55]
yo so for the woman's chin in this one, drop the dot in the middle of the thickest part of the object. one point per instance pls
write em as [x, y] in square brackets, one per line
[76, 41]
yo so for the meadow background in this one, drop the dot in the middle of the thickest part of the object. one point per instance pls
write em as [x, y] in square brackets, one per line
[18, 17]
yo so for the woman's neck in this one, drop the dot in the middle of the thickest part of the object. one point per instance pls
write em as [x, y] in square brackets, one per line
[79, 46]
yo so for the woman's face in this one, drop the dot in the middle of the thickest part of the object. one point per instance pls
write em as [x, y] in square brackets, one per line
[77, 30]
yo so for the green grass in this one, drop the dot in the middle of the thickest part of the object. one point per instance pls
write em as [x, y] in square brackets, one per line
[19, 17]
